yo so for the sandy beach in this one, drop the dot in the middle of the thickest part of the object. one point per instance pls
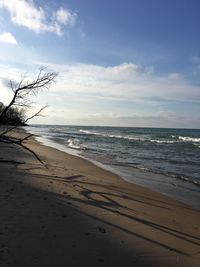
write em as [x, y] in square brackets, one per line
[69, 212]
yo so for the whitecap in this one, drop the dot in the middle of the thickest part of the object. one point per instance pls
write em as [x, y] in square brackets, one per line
[162, 141]
[113, 135]
[189, 139]
[74, 144]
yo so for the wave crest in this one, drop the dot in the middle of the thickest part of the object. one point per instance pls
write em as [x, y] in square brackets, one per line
[189, 139]
[75, 144]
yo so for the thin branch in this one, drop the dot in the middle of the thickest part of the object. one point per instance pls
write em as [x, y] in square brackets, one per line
[36, 114]
[31, 151]
[9, 140]
[21, 93]
[16, 126]
[27, 137]
[30, 88]
[11, 161]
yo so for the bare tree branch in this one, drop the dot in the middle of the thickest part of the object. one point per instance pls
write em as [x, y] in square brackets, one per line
[19, 142]
[22, 93]
[26, 89]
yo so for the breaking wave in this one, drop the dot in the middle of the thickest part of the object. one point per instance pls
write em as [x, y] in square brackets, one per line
[189, 139]
[112, 135]
[75, 144]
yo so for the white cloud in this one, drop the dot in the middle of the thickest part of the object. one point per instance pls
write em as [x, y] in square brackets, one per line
[66, 17]
[155, 120]
[7, 37]
[175, 76]
[126, 81]
[88, 94]
[26, 13]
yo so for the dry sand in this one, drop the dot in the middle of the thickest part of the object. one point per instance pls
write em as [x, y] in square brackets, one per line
[69, 212]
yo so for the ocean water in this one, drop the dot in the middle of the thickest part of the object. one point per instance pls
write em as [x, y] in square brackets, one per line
[165, 160]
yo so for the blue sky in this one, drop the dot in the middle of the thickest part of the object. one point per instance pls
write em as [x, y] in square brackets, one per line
[120, 63]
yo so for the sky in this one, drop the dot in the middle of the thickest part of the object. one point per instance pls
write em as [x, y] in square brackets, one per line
[121, 63]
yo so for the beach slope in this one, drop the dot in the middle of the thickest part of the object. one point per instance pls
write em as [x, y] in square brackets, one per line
[69, 212]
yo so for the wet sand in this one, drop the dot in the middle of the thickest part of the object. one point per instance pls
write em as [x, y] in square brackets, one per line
[69, 212]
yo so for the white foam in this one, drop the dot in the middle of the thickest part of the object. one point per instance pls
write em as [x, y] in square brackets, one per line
[189, 139]
[85, 131]
[128, 137]
[162, 141]
[113, 135]
[74, 143]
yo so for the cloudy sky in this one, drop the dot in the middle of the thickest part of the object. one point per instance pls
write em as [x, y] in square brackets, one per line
[120, 63]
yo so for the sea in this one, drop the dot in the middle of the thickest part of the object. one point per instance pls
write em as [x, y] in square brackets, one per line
[165, 160]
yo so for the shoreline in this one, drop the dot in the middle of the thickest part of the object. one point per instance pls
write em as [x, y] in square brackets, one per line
[71, 212]
[157, 182]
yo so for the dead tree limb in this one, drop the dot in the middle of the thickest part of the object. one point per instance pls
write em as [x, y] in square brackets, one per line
[25, 89]
[22, 93]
